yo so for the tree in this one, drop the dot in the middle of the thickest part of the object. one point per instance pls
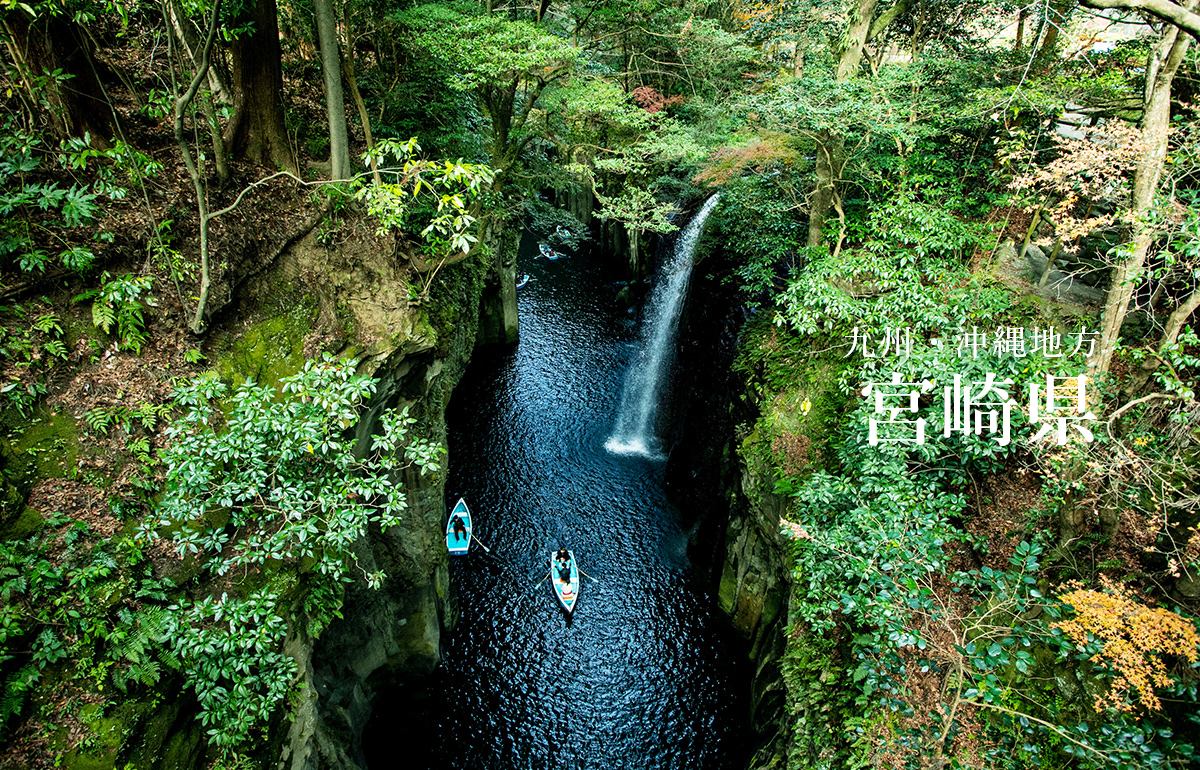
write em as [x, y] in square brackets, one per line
[256, 130]
[55, 66]
[507, 65]
[335, 105]
[280, 488]
[1166, 59]
[1181, 15]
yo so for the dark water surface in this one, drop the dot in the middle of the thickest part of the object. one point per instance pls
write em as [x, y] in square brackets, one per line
[644, 675]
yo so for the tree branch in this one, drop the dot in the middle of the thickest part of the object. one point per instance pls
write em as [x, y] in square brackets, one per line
[1164, 9]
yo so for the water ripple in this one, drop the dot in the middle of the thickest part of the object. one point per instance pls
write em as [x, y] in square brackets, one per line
[643, 675]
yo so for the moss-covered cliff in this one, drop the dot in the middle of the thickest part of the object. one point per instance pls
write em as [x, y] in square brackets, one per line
[336, 290]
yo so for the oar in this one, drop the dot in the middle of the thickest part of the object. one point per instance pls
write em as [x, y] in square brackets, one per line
[481, 545]
[543, 580]
[586, 575]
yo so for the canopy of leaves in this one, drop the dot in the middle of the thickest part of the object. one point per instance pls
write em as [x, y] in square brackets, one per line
[480, 49]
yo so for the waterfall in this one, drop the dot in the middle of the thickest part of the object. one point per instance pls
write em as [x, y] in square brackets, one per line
[634, 433]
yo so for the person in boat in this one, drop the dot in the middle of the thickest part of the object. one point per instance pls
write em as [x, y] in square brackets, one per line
[460, 528]
[564, 572]
[562, 555]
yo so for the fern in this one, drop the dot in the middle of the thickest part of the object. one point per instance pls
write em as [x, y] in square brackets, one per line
[15, 689]
[139, 633]
[104, 316]
[100, 419]
[117, 303]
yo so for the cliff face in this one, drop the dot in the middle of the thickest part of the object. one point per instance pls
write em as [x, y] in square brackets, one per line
[355, 296]
[729, 490]
[755, 587]
[416, 356]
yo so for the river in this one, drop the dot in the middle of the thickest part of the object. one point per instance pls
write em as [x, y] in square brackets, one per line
[645, 674]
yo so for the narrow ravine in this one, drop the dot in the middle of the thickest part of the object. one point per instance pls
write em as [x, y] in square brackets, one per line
[645, 675]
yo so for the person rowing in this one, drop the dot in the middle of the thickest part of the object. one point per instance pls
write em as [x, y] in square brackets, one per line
[460, 528]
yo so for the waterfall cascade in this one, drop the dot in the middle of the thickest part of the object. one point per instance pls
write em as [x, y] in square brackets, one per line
[634, 433]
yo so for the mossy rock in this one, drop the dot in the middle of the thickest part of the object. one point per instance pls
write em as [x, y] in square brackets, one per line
[101, 748]
[26, 525]
[16, 521]
[798, 397]
[45, 447]
[269, 346]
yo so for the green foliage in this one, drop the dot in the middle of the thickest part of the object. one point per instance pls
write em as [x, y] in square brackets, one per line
[118, 304]
[61, 599]
[148, 416]
[478, 50]
[757, 224]
[279, 488]
[31, 339]
[887, 291]
[452, 188]
[38, 209]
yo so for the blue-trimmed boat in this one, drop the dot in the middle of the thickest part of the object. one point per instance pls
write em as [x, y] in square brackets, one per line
[522, 281]
[458, 540]
[567, 591]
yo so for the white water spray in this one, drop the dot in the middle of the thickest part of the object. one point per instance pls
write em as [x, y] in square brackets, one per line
[634, 433]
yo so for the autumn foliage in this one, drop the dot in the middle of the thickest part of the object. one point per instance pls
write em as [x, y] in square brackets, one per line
[1134, 639]
[652, 101]
[729, 162]
[1085, 173]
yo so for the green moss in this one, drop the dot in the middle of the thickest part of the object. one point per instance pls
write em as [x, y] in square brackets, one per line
[99, 748]
[29, 523]
[795, 385]
[270, 346]
[16, 521]
[820, 697]
[727, 591]
[46, 447]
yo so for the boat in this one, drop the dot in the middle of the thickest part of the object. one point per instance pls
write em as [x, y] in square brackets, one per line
[456, 542]
[548, 252]
[567, 591]
[562, 232]
[522, 281]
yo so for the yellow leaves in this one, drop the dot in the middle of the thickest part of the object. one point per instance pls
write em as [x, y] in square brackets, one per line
[1134, 639]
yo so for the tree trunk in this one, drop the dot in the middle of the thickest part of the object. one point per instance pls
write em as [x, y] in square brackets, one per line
[632, 233]
[830, 146]
[335, 104]
[220, 151]
[1056, 18]
[352, 82]
[829, 150]
[1050, 263]
[48, 43]
[185, 35]
[256, 131]
[1150, 364]
[1155, 127]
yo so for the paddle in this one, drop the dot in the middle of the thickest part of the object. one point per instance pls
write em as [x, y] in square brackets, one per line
[481, 545]
[543, 580]
[586, 575]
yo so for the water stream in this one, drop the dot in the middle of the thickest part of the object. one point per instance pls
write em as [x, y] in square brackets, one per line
[644, 380]
[645, 675]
